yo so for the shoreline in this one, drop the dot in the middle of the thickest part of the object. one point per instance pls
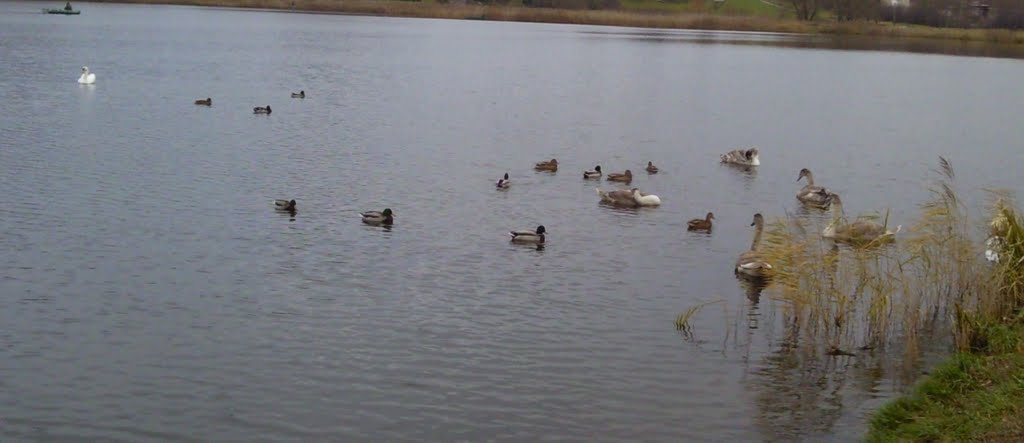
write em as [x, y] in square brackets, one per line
[617, 17]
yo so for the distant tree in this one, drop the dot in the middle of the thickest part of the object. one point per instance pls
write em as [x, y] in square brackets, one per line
[805, 9]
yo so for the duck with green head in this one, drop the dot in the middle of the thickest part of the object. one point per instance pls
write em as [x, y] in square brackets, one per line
[385, 217]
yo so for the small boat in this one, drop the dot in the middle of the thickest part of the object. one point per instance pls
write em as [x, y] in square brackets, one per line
[62, 11]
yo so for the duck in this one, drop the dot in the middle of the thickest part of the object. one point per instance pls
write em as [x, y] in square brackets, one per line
[699, 224]
[526, 236]
[547, 166]
[811, 194]
[748, 157]
[300, 94]
[651, 169]
[643, 199]
[385, 217]
[860, 232]
[621, 197]
[87, 78]
[625, 177]
[752, 263]
[261, 110]
[207, 102]
[596, 173]
[503, 182]
[284, 205]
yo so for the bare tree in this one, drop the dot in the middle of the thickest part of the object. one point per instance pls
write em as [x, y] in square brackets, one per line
[805, 9]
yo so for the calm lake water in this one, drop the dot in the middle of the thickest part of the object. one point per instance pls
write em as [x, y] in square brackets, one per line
[149, 292]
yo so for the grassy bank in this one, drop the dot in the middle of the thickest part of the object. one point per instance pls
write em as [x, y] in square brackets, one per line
[740, 15]
[975, 396]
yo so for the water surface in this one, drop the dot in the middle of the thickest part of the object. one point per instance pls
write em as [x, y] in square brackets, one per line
[149, 292]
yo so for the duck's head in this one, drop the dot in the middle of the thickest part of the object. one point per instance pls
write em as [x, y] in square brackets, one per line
[553, 161]
[650, 163]
[629, 173]
[541, 230]
[803, 173]
[387, 212]
[291, 203]
[506, 176]
[597, 168]
[758, 220]
[710, 216]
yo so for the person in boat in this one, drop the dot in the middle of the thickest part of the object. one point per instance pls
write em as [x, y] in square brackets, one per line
[67, 6]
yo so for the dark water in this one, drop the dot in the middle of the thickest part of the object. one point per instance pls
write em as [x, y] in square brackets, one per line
[148, 292]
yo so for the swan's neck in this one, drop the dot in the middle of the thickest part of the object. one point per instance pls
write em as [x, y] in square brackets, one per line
[757, 236]
[810, 179]
[837, 211]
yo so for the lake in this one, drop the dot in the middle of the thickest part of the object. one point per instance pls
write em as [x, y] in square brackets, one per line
[149, 291]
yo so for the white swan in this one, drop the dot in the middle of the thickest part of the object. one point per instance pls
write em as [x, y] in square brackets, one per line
[87, 77]
[645, 199]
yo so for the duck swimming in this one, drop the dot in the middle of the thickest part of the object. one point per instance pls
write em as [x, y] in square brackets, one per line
[699, 224]
[596, 173]
[547, 166]
[87, 78]
[525, 236]
[811, 194]
[748, 157]
[300, 94]
[207, 102]
[261, 110]
[284, 205]
[859, 233]
[503, 183]
[625, 177]
[385, 217]
[623, 197]
[751, 263]
[651, 169]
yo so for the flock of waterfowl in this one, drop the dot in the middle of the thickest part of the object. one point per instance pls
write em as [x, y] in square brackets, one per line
[860, 232]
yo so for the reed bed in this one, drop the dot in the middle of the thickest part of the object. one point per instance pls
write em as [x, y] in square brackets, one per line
[841, 299]
[728, 20]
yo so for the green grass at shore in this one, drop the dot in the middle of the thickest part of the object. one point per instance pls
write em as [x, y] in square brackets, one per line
[974, 396]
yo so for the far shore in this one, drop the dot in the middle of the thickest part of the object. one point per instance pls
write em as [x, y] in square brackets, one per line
[619, 17]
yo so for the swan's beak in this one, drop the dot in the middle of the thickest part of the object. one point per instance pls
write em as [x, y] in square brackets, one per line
[753, 223]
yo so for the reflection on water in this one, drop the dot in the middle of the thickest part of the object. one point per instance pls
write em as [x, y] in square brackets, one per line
[808, 41]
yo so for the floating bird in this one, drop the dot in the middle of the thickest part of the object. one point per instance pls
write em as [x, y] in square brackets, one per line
[261, 110]
[503, 183]
[651, 169]
[284, 205]
[596, 173]
[742, 157]
[811, 194]
[525, 236]
[860, 232]
[547, 166]
[625, 177]
[87, 78]
[300, 94]
[207, 102]
[751, 263]
[385, 217]
[699, 224]
[643, 199]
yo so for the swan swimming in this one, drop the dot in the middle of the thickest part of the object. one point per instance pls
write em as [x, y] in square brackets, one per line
[87, 77]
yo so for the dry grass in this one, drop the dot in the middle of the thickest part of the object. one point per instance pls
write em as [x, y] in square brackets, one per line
[936, 275]
[630, 18]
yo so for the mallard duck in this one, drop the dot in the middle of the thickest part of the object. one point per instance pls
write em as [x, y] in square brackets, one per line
[300, 94]
[284, 205]
[596, 173]
[860, 232]
[503, 183]
[622, 197]
[651, 169]
[525, 236]
[748, 157]
[207, 102]
[625, 177]
[698, 224]
[643, 199]
[547, 166]
[751, 263]
[385, 217]
[261, 110]
[811, 194]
